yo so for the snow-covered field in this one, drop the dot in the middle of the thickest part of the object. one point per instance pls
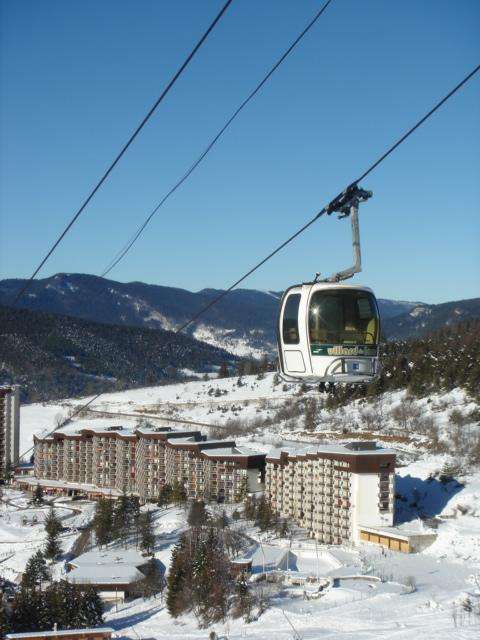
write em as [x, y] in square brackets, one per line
[444, 574]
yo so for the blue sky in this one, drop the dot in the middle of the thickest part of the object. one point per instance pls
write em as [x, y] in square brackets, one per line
[78, 77]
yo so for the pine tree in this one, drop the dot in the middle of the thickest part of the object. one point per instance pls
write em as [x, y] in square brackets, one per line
[134, 507]
[53, 527]
[53, 548]
[265, 517]
[37, 497]
[223, 371]
[212, 582]
[165, 495]
[147, 535]
[179, 494]
[36, 571]
[121, 517]
[198, 515]
[153, 583]
[103, 521]
[60, 603]
[178, 600]
[243, 602]
[5, 626]
[311, 411]
[9, 472]
[55, 608]
[91, 610]
[27, 609]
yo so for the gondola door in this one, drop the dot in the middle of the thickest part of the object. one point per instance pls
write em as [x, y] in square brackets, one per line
[292, 343]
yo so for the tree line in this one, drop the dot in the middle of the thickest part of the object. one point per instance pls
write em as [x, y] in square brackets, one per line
[442, 361]
[202, 578]
[40, 603]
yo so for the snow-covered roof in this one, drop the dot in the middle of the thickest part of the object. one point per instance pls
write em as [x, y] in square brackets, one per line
[105, 574]
[62, 632]
[340, 449]
[404, 533]
[76, 427]
[187, 440]
[109, 556]
[264, 555]
[111, 427]
[32, 481]
[110, 566]
[232, 452]
[153, 430]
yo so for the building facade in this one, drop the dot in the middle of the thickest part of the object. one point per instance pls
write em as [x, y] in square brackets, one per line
[9, 426]
[333, 490]
[141, 461]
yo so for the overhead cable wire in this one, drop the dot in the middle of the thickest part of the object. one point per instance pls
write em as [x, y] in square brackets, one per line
[123, 252]
[331, 205]
[325, 210]
[117, 158]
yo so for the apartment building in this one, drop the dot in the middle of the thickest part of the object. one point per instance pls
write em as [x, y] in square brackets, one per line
[333, 490]
[143, 460]
[9, 425]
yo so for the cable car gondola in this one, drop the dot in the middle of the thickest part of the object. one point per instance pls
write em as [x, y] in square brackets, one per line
[329, 331]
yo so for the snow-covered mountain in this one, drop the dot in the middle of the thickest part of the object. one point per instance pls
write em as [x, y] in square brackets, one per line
[425, 318]
[243, 322]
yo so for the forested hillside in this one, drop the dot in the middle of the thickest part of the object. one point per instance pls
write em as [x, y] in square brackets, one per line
[425, 318]
[54, 356]
[441, 361]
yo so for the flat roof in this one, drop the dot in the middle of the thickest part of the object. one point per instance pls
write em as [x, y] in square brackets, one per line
[113, 557]
[234, 452]
[339, 449]
[105, 574]
[60, 484]
[60, 632]
[396, 532]
[110, 427]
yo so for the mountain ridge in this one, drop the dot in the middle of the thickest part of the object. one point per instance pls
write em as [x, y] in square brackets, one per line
[242, 323]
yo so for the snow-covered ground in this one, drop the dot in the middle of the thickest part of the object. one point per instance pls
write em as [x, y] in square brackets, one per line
[351, 609]
[22, 531]
[444, 573]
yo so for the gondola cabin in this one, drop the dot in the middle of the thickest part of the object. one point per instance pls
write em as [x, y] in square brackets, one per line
[329, 332]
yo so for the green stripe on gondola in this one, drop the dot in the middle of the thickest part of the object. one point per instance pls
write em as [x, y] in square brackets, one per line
[343, 350]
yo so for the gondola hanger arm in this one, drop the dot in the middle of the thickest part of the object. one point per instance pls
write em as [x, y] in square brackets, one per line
[347, 204]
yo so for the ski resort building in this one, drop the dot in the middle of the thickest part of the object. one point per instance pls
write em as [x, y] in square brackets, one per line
[142, 460]
[9, 426]
[333, 490]
[116, 575]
